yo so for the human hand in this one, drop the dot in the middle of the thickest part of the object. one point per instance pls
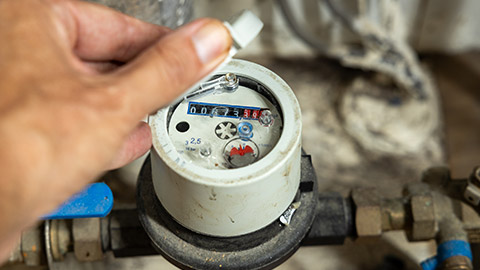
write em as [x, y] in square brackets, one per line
[68, 110]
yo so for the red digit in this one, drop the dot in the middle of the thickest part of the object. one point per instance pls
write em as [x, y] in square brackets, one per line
[246, 113]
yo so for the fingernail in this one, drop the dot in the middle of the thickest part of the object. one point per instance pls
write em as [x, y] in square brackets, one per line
[211, 41]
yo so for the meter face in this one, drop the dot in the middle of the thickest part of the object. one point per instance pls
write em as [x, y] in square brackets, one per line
[225, 130]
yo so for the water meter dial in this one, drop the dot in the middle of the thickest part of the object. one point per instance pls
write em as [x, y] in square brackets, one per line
[236, 126]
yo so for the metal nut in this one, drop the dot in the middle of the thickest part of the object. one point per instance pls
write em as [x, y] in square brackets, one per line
[32, 247]
[424, 226]
[472, 194]
[368, 215]
[87, 241]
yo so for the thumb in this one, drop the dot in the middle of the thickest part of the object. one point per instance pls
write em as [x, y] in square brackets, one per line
[173, 64]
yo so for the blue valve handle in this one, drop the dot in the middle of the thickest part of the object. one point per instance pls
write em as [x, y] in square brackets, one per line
[96, 200]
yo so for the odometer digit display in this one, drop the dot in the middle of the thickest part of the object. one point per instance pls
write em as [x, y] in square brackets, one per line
[223, 110]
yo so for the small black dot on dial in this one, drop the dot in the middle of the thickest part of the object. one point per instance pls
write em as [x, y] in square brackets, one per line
[182, 126]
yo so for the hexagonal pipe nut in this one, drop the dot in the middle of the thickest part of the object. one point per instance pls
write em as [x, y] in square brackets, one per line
[87, 241]
[368, 215]
[32, 247]
[424, 225]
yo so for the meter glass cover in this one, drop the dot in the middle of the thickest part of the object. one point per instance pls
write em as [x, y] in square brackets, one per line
[224, 130]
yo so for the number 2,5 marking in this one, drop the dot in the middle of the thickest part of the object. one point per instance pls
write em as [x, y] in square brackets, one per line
[193, 141]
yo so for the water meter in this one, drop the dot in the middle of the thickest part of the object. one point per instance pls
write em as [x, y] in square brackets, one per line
[226, 158]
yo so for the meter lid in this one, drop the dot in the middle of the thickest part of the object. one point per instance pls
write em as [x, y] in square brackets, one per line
[243, 28]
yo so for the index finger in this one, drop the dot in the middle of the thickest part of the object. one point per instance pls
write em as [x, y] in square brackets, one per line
[172, 65]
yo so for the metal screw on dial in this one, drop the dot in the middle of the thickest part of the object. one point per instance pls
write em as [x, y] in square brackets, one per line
[231, 81]
[227, 83]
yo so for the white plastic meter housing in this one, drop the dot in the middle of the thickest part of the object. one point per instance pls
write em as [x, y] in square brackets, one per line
[192, 170]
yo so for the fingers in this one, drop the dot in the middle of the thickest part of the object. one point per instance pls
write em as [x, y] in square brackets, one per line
[173, 64]
[136, 144]
[103, 34]
[100, 67]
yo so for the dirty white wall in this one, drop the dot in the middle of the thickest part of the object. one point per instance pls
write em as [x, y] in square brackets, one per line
[429, 25]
